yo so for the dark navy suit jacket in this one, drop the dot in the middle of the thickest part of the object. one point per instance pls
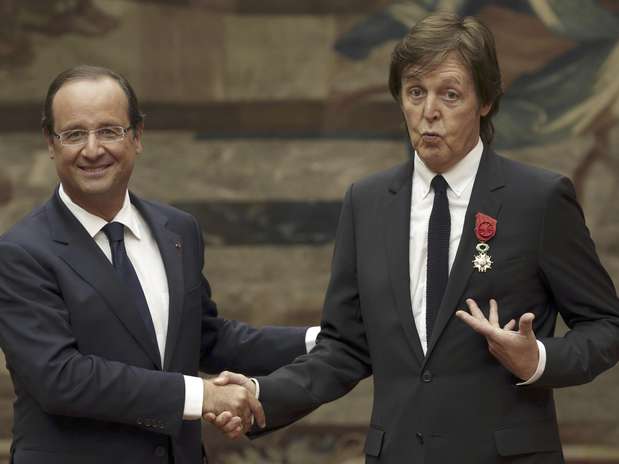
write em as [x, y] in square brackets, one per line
[88, 377]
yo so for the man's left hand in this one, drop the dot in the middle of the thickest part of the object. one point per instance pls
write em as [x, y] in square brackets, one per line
[516, 350]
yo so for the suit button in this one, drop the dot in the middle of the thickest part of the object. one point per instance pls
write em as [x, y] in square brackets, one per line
[139, 421]
[426, 376]
[419, 436]
[160, 451]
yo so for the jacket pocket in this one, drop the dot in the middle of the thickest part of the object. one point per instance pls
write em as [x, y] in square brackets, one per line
[374, 441]
[528, 438]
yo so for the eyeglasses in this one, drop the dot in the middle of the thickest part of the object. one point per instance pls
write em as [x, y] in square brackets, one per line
[110, 134]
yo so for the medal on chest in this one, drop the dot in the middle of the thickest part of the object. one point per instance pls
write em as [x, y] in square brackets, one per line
[485, 229]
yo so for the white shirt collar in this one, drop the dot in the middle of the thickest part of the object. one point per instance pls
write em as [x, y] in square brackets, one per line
[458, 177]
[127, 215]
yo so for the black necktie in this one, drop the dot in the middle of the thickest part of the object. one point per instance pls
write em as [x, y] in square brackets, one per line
[115, 233]
[438, 252]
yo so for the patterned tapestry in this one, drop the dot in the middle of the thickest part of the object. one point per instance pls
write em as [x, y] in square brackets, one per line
[259, 114]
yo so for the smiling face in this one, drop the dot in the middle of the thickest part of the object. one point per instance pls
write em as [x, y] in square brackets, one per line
[94, 175]
[442, 112]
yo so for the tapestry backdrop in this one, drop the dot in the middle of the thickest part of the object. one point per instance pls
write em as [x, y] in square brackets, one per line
[261, 112]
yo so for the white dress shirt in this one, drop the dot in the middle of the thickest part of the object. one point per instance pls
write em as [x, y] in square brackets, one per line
[460, 179]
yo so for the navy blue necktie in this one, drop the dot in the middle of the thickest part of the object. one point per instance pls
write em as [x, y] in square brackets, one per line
[439, 228]
[115, 233]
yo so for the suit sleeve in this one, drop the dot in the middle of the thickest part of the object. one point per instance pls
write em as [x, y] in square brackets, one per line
[43, 356]
[340, 358]
[582, 292]
[236, 346]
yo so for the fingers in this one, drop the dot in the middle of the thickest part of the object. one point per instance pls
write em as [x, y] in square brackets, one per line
[476, 320]
[474, 309]
[228, 424]
[510, 325]
[493, 316]
[525, 325]
[257, 411]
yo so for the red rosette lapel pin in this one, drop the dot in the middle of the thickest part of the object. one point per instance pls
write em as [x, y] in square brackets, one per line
[485, 229]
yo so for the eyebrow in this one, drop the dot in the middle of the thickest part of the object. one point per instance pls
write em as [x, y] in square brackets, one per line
[79, 126]
[416, 77]
[452, 80]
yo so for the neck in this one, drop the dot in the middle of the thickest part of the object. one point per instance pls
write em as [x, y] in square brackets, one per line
[104, 206]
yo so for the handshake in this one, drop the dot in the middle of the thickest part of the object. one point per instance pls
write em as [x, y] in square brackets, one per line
[230, 404]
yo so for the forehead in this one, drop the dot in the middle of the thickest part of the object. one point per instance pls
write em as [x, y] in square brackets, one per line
[451, 68]
[90, 102]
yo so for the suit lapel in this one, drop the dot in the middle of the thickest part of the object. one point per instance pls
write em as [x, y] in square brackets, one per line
[82, 254]
[396, 221]
[170, 247]
[485, 198]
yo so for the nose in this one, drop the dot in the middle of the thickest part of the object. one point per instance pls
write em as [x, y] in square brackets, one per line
[92, 149]
[430, 108]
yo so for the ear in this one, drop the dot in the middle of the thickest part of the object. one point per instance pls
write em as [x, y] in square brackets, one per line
[137, 137]
[49, 138]
[485, 109]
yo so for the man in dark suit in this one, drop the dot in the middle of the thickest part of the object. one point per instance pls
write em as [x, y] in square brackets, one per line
[105, 316]
[456, 226]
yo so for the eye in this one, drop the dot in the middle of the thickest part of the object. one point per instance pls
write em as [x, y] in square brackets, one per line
[416, 92]
[110, 133]
[451, 95]
[74, 136]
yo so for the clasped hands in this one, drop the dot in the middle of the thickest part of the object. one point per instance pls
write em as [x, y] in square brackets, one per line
[230, 404]
[516, 350]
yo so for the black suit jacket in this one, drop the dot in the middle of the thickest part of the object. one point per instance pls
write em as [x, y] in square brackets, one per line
[457, 403]
[88, 378]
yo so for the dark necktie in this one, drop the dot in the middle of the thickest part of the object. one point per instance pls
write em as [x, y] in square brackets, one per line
[115, 233]
[438, 252]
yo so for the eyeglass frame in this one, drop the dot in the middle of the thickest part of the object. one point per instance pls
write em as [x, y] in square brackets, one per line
[124, 134]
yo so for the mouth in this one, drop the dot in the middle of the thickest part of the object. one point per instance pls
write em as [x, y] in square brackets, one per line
[95, 171]
[430, 137]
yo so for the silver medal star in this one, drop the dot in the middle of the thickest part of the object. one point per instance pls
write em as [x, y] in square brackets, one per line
[482, 262]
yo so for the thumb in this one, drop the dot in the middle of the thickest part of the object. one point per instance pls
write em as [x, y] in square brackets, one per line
[525, 325]
[224, 378]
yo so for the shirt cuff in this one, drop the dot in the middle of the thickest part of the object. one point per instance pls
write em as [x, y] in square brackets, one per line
[310, 337]
[194, 398]
[257, 384]
[541, 365]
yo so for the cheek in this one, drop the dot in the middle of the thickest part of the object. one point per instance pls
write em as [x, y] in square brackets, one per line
[412, 118]
[63, 162]
[461, 123]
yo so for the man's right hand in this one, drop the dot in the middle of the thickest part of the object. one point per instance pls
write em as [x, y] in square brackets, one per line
[234, 400]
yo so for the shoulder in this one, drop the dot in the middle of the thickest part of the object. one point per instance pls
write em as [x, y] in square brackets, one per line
[167, 210]
[526, 180]
[381, 182]
[177, 218]
[31, 229]
[517, 170]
